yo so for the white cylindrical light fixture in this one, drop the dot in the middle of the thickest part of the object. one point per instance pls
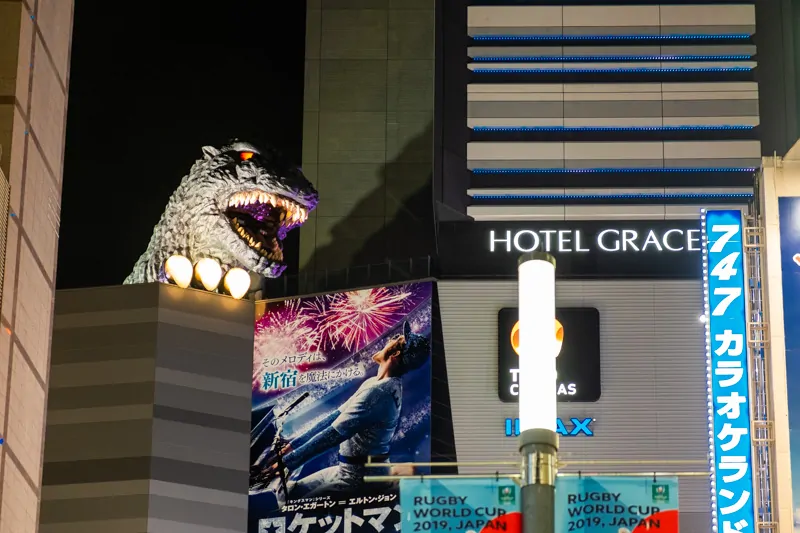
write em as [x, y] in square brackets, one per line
[236, 282]
[179, 270]
[538, 347]
[209, 273]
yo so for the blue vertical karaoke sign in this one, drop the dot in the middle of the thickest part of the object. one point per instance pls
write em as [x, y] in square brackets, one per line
[726, 346]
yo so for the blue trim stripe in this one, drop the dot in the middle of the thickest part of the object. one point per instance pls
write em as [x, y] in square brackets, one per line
[612, 128]
[606, 170]
[635, 196]
[499, 59]
[675, 37]
[606, 70]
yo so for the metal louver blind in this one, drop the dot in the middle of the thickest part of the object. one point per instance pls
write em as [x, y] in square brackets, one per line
[653, 364]
[5, 205]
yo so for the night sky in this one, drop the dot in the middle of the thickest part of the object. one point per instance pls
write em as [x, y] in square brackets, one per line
[148, 88]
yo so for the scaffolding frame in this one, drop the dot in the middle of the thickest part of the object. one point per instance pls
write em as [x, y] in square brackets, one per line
[759, 356]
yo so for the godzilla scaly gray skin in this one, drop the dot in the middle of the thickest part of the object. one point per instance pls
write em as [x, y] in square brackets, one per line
[235, 206]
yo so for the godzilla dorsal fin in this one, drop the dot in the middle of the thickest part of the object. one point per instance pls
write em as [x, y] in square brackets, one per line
[210, 152]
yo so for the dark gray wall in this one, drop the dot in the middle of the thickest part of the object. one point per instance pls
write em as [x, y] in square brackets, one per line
[777, 70]
[368, 131]
[148, 419]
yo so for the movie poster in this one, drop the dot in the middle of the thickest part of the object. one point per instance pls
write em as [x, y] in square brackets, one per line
[789, 213]
[341, 385]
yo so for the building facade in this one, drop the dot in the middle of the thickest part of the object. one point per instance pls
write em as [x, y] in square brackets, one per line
[779, 194]
[652, 384]
[598, 133]
[386, 105]
[594, 112]
[368, 131]
[148, 417]
[35, 38]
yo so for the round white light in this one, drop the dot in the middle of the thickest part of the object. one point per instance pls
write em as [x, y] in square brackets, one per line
[209, 273]
[237, 282]
[179, 270]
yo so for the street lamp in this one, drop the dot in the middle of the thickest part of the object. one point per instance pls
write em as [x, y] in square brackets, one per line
[538, 349]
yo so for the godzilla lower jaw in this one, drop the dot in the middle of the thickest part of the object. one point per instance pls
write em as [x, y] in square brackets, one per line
[262, 221]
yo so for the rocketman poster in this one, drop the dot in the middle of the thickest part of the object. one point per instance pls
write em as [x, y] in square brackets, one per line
[340, 380]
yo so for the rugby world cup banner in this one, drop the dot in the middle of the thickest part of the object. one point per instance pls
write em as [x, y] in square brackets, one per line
[616, 505]
[339, 380]
[583, 505]
[461, 505]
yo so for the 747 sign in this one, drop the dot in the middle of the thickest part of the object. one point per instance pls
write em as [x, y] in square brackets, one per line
[726, 352]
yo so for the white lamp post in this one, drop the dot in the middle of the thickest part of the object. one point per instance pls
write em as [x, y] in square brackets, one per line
[538, 349]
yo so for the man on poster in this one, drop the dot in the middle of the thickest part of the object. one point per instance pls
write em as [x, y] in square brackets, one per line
[363, 427]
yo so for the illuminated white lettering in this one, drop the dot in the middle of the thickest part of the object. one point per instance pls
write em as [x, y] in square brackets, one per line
[514, 388]
[729, 294]
[601, 243]
[651, 239]
[607, 240]
[562, 389]
[547, 234]
[567, 389]
[493, 239]
[628, 236]
[533, 235]
[578, 242]
[725, 269]
[693, 239]
[563, 241]
[666, 240]
[728, 231]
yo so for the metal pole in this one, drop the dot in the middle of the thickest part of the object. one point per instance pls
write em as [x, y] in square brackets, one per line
[539, 450]
[538, 444]
[516, 477]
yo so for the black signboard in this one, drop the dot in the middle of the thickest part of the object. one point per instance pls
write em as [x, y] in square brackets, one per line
[583, 249]
[578, 363]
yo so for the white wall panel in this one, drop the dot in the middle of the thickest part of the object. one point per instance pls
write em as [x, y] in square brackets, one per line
[653, 403]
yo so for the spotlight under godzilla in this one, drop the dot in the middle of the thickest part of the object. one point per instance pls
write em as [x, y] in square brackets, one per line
[236, 206]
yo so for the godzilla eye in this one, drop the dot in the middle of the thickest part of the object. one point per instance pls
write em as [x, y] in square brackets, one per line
[246, 155]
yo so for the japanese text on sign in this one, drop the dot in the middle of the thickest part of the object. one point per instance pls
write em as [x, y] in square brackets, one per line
[726, 328]
[321, 519]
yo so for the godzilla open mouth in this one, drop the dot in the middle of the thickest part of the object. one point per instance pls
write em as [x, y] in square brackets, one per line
[262, 220]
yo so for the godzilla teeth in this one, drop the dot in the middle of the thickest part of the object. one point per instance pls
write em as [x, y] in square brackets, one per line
[292, 211]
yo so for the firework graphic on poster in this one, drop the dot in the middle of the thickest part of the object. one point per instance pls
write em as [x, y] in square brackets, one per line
[299, 334]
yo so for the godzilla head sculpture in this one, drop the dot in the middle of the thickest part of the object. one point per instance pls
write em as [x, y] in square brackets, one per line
[235, 206]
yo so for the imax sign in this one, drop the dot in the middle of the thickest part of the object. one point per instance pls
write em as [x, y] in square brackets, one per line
[575, 427]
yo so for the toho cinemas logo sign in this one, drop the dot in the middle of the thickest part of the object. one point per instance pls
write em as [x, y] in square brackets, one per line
[578, 361]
